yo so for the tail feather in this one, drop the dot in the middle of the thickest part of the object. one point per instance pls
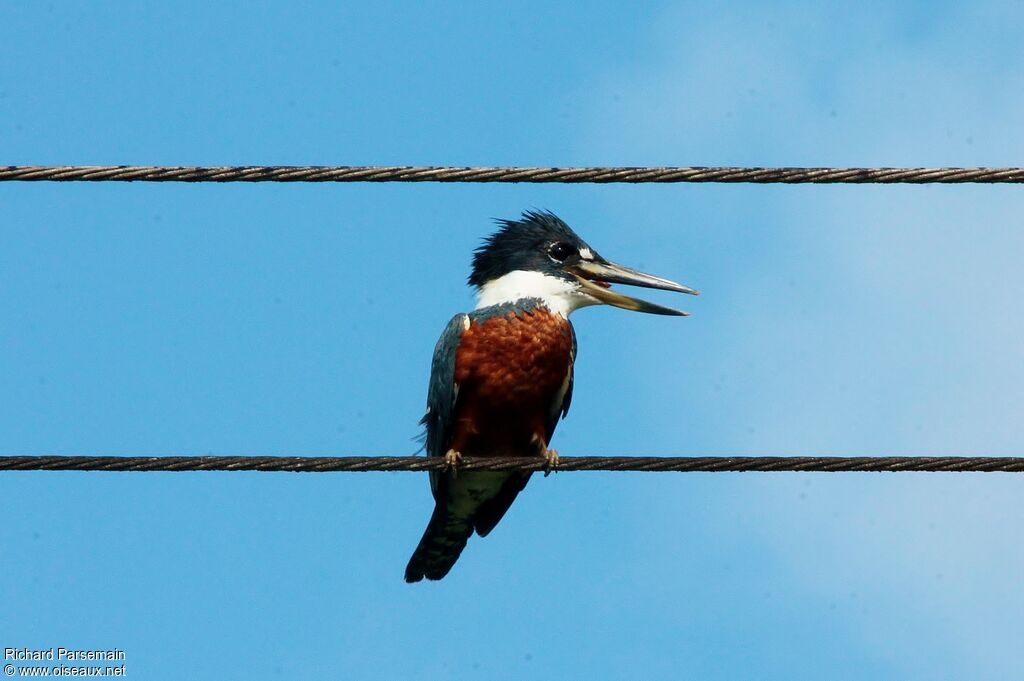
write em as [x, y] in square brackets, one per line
[441, 545]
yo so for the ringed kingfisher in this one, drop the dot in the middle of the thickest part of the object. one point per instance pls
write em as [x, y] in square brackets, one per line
[502, 375]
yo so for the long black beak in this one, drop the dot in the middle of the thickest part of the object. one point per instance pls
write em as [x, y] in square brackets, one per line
[590, 271]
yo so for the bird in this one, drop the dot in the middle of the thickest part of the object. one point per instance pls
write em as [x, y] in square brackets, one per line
[502, 375]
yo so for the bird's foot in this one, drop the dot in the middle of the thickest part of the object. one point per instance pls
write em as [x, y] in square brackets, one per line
[550, 461]
[452, 459]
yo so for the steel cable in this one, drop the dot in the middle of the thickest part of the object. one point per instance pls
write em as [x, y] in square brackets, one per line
[600, 175]
[653, 464]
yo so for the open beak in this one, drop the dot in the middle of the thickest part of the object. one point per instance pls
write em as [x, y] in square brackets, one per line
[605, 273]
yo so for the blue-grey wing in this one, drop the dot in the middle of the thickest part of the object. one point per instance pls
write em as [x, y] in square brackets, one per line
[442, 391]
[561, 406]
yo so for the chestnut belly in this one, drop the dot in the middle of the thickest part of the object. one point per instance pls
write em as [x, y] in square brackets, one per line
[512, 372]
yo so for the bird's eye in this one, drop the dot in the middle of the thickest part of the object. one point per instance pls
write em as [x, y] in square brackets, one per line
[560, 251]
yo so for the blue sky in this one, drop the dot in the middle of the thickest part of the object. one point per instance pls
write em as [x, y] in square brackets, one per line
[175, 319]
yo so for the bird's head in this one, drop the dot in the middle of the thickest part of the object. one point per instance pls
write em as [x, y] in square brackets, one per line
[539, 256]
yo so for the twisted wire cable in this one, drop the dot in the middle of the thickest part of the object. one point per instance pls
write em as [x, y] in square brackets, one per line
[652, 464]
[595, 175]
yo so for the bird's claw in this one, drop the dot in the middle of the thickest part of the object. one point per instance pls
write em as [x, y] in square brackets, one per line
[550, 461]
[452, 459]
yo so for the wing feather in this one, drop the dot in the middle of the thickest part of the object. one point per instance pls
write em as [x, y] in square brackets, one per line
[442, 392]
[560, 408]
